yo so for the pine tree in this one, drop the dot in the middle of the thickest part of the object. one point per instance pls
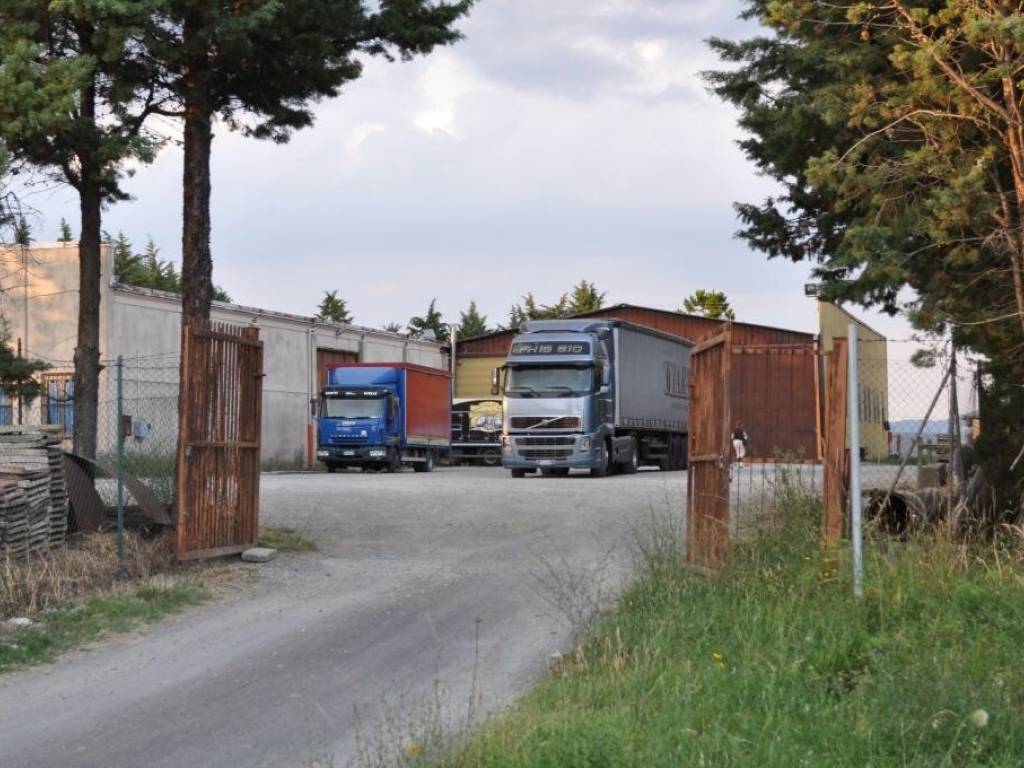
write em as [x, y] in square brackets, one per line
[708, 303]
[65, 232]
[23, 233]
[472, 323]
[333, 309]
[18, 375]
[431, 321]
[586, 298]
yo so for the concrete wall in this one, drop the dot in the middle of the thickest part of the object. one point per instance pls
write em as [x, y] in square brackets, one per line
[143, 326]
[874, 375]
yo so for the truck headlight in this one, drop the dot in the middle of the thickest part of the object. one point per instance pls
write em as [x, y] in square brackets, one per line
[376, 453]
[584, 443]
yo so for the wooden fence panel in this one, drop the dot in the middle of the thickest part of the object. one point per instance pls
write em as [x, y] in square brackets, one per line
[707, 491]
[219, 440]
[835, 483]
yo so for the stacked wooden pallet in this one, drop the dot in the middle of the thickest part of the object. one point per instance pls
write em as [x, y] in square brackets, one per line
[33, 495]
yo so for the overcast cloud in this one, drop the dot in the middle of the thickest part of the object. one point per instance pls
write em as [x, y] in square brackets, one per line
[559, 141]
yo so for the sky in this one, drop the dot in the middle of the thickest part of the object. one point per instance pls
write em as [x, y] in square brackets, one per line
[558, 141]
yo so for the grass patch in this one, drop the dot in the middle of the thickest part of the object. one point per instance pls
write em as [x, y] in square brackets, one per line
[285, 539]
[772, 663]
[60, 629]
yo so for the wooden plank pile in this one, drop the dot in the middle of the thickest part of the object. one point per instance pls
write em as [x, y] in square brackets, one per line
[33, 494]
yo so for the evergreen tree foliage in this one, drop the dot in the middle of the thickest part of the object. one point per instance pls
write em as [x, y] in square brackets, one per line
[332, 309]
[18, 375]
[258, 67]
[430, 321]
[65, 232]
[22, 232]
[148, 270]
[708, 303]
[893, 129]
[472, 323]
[586, 298]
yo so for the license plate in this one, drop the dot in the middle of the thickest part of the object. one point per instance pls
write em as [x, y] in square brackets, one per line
[546, 462]
[348, 453]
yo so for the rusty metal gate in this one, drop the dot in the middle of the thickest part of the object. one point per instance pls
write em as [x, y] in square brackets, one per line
[219, 440]
[836, 459]
[707, 487]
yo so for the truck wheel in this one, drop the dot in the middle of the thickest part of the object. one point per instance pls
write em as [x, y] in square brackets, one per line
[491, 457]
[604, 468]
[633, 460]
[516, 472]
[331, 469]
[427, 465]
[555, 472]
[394, 462]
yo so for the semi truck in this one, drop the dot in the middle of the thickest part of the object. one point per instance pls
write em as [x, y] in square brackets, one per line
[603, 395]
[384, 415]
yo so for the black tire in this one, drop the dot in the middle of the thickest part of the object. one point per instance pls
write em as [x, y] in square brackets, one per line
[394, 462]
[331, 469]
[605, 467]
[427, 465]
[491, 457]
[516, 472]
[633, 461]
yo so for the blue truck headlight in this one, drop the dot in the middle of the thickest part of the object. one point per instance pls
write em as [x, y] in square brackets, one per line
[584, 443]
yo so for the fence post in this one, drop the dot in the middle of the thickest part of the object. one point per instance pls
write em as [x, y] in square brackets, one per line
[121, 571]
[856, 532]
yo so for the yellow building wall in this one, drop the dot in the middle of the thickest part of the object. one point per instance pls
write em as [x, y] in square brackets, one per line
[473, 376]
[874, 375]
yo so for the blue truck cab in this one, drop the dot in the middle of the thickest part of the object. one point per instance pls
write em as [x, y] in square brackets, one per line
[382, 416]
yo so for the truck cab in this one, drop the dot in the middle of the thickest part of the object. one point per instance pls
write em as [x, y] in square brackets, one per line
[557, 398]
[358, 427]
[384, 415]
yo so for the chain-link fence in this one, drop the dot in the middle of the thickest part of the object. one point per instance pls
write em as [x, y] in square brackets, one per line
[918, 418]
[143, 409]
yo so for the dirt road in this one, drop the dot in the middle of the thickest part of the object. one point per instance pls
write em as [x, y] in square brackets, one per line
[421, 583]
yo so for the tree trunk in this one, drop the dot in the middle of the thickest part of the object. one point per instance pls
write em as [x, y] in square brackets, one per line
[87, 351]
[196, 261]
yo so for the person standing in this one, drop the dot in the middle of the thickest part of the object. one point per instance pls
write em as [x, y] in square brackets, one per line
[739, 442]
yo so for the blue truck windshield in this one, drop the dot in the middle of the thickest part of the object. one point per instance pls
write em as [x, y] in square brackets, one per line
[549, 381]
[352, 408]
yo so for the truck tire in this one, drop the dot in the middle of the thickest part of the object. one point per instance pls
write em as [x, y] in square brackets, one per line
[491, 457]
[394, 462]
[605, 467]
[633, 460]
[427, 465]
[516, 472]
[331, 469]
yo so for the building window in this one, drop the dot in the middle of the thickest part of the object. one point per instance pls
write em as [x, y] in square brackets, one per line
[6, 409]
[59, 400]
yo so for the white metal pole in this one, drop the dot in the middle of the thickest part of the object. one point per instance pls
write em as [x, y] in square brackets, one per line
[856, 532]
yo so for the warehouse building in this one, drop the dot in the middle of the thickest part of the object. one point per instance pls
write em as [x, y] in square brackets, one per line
[39, 300]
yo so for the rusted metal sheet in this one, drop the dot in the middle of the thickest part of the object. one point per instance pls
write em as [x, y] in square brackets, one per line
[772, 395]
[835, 485]
[219, 440]
[707, 491]
[88, 509]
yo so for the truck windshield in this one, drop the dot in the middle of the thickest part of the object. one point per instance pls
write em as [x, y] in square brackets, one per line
[549, 381]
[351, 407]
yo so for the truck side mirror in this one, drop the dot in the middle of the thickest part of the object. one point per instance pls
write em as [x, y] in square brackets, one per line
[495, 381]
[392, 407]
[606, 375]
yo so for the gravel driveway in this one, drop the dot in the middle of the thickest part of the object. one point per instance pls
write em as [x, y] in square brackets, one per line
[421, 583]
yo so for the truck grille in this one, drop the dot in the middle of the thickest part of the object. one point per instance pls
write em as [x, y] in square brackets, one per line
[544, 422]
[546, 453]
[347, 440]
[545, 441]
